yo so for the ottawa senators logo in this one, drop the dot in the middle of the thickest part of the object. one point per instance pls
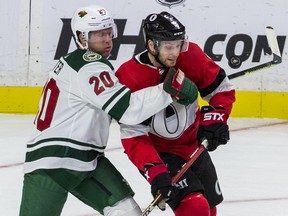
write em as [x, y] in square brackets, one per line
[170, 3]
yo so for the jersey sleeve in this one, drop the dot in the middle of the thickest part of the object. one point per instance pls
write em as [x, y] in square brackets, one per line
[102, 89]
[144, 103]
[138, 146]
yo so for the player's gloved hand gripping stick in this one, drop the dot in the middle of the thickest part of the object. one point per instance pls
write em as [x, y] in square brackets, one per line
[176, 178]
[213, 126]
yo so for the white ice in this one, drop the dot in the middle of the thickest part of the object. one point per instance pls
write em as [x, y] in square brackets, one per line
[252, 168]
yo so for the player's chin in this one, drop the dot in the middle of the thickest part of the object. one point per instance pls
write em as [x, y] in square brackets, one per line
[170, 63]
[106, 53]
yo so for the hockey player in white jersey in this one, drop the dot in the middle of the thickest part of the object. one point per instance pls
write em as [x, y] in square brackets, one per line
[66, 152]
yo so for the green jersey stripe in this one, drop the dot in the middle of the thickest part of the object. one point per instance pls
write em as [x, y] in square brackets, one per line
[121, 106]
[62, 152]
[60, 139]
[113, 97]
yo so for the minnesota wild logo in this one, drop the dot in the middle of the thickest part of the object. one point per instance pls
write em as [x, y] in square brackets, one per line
[82, 13]
[91, 56]
[170, 3]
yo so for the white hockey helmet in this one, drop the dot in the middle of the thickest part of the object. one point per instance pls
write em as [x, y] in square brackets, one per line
[91, 18]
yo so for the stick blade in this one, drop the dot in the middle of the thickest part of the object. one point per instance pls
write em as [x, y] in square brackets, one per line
[273, 44]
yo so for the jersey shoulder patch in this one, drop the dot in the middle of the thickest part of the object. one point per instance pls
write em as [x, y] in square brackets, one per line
[90, 56]
[79, 58]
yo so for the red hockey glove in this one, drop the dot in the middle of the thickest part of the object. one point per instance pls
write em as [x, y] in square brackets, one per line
[183, 89]
[160, 180]
[213, 126]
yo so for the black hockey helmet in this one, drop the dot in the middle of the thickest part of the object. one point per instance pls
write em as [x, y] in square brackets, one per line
[163, 27]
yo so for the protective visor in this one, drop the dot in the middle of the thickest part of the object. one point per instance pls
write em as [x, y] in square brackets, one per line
[167, 47]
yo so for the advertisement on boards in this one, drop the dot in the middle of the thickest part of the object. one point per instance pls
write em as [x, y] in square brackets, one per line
[39, 33]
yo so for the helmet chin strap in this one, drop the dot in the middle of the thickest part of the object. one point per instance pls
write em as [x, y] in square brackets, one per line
[155, 52]
[81, 46]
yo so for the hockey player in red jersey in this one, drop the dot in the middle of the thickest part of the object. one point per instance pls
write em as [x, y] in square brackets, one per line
[159, 146]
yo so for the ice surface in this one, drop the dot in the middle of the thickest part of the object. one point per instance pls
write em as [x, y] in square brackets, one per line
[252, 168]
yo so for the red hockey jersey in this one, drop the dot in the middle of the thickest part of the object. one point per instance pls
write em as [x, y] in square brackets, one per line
[174, 129]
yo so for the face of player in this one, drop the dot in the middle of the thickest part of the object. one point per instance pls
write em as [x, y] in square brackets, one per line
[101, 41]
[169, 52]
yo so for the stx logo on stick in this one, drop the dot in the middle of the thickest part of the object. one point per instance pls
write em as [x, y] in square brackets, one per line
[213, 116]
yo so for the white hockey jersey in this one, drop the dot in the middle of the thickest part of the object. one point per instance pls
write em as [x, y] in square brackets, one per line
[75, 110]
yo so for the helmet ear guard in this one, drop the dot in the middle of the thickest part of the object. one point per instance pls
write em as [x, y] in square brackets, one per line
[185, 45]
[77, 40]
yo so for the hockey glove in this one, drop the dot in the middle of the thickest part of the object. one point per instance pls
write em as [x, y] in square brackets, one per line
[213, 126]
[183, 89]
[161, 182]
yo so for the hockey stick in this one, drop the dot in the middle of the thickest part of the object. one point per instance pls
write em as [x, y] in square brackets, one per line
[180, 173]
[277, 59]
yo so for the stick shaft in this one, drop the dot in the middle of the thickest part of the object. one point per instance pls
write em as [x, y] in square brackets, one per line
[251, 70]
[273, 44]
